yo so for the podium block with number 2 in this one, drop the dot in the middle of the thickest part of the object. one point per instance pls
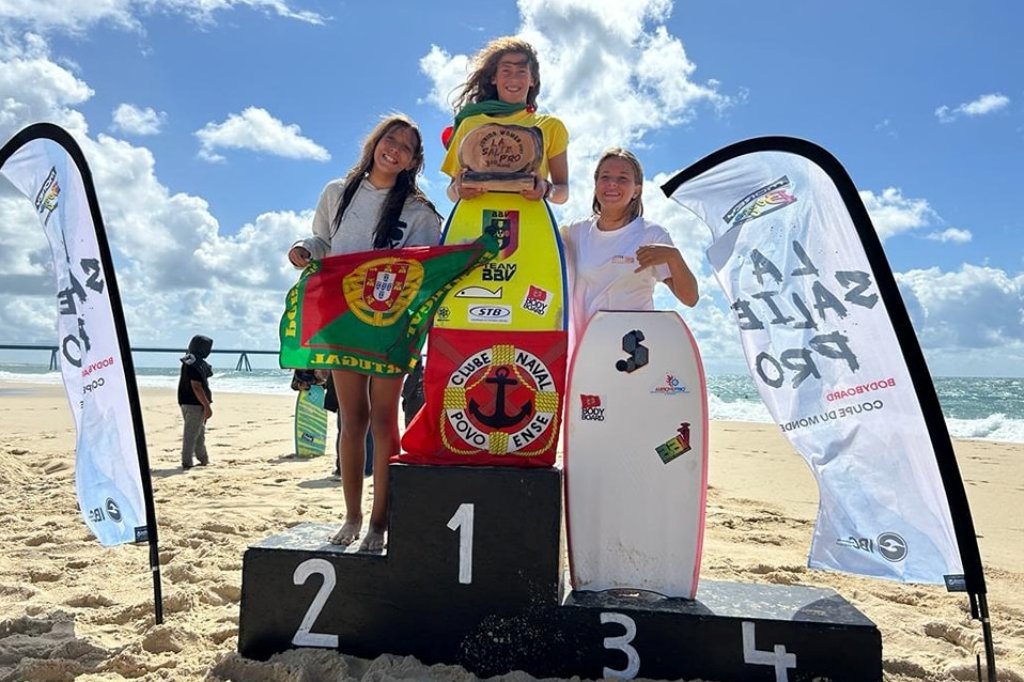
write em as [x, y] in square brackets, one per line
[472, 576]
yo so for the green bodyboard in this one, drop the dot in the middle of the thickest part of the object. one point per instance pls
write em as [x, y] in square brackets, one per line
[310, 423]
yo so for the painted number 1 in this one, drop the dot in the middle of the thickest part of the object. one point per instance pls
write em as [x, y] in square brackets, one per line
[462, 521]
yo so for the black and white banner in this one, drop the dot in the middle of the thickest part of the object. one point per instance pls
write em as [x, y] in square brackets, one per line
[835, 358]
[111, 468]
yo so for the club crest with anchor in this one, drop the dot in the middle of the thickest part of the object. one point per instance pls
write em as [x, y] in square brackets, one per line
[501, 400]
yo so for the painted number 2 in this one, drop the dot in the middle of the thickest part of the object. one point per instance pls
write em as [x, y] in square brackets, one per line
[462, 521]
[304, 635]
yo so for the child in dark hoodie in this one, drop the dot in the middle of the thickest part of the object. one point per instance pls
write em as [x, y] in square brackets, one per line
[194, 397]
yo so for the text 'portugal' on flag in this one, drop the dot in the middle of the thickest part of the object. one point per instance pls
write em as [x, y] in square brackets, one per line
[369, 311]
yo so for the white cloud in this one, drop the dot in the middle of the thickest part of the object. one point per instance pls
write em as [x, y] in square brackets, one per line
[885, 127]
[614, 74]
[179, 272]
[130, 119]
[610, 70]
[447, 72]
[976, 309]
[78, 16]
[893, 214]
[35, 88]
[951, 234]
[256, 130]
[605, 72]
[985, 104]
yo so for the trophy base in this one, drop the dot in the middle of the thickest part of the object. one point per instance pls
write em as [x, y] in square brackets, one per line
[498, 182]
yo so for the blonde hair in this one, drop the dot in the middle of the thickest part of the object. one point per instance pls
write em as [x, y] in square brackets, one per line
[636, 204]
[478, 86]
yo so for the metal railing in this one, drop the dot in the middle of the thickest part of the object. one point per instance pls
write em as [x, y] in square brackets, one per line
[242, 365]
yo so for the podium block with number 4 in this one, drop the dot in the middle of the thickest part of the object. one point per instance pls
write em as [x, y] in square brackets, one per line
[471, 576]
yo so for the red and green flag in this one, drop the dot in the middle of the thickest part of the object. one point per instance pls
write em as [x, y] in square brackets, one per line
[369, 312]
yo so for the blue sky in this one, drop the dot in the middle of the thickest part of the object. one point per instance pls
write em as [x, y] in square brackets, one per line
[212, 125]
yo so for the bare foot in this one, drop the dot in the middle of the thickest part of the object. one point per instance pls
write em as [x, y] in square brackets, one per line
[374, 540]
[349, 531]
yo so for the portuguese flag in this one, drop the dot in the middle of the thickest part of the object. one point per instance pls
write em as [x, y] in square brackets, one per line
[369, 311]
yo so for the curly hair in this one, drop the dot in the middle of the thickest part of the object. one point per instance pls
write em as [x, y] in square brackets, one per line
[478, 86]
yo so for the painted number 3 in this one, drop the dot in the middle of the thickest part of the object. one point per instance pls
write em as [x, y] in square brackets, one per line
[622, 643]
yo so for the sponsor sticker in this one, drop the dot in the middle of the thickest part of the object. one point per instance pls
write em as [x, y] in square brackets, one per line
[493, 314]
[591, 408]
[675, 446]
[504, 225]
[498, 272]
[671, 386]
[46, 198]
[476, 291]
[537, 300]
[889, 545]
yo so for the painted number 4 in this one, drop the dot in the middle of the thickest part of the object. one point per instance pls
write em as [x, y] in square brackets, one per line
[777, 657]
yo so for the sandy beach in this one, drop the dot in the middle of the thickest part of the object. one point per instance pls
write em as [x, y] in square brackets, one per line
[70, 609]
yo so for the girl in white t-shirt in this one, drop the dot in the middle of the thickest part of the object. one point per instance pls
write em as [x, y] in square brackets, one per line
[376, 206]
[615, 257]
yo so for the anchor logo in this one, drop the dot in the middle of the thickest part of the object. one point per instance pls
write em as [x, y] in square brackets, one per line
[501, 400]
[499, 418]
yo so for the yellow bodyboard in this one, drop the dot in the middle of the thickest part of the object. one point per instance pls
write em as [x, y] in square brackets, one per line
[523, 289]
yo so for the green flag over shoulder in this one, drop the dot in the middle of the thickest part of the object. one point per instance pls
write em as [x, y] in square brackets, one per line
[368, 312]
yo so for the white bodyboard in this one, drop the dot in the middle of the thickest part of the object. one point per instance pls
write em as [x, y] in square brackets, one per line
[636, 455]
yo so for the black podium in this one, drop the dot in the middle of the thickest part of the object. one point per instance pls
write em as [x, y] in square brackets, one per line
[473, 576]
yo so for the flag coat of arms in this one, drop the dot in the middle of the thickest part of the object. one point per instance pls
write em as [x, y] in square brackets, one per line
[369, 311]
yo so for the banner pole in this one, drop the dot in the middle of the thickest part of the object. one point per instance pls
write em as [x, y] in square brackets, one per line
[979, 610]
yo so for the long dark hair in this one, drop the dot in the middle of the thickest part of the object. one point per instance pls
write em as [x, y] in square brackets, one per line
[405, 183]
[478, 86]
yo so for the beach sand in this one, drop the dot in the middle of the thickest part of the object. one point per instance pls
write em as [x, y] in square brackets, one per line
[71, 609]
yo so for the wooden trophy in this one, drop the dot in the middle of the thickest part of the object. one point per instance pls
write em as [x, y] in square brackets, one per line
[501, 158]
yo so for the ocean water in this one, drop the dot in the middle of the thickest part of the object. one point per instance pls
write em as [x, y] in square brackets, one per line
[985, 408]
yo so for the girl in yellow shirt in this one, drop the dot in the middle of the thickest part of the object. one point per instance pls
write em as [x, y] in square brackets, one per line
[503, 89]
